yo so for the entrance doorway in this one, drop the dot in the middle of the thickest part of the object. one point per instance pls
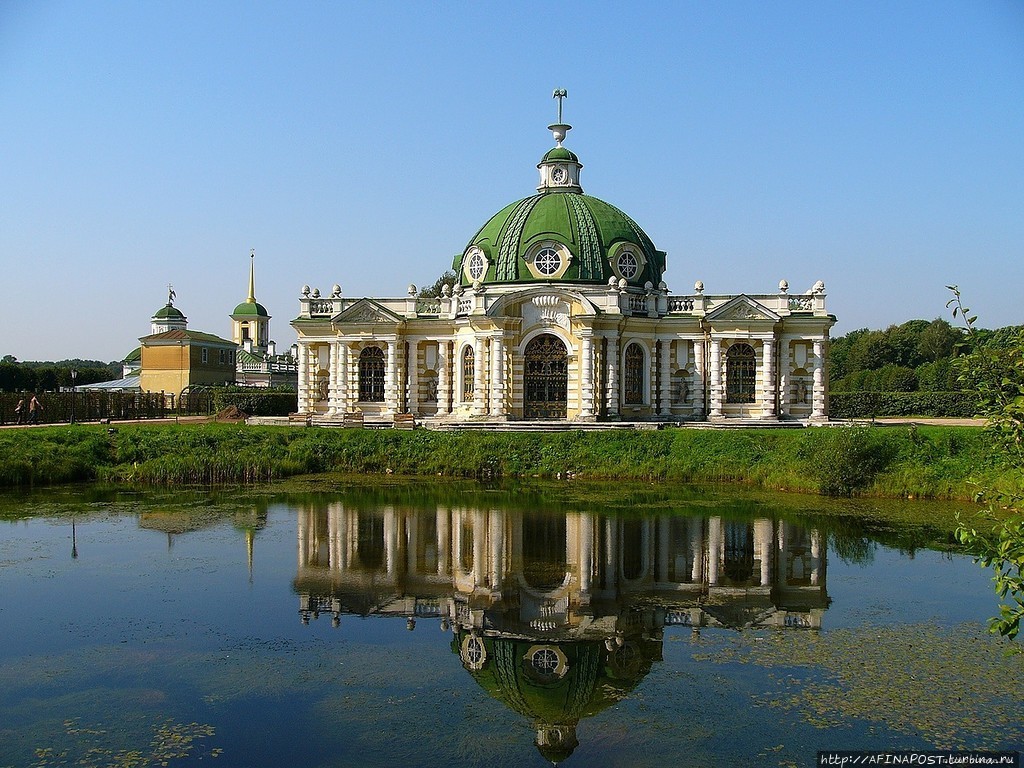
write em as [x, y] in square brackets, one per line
[546, 378]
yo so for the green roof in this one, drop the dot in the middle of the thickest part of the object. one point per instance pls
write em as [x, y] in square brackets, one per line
[248, 357]
[134, 356]
[589, 227]
[251, 308]
[559, 153]
[167, 312]
[179, 334]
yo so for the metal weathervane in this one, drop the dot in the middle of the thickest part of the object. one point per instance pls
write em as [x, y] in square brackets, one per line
[560, 93]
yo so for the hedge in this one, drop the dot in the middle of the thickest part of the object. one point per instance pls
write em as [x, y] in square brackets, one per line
[257, 403]
[855, 405]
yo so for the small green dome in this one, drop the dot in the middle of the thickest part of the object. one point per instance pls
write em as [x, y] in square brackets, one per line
[253, 309]
[594, 233]
[558, 154]
[168, 312]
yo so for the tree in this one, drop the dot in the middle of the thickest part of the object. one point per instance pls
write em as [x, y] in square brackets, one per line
[938, 341]
[432, 292]
[999, 380]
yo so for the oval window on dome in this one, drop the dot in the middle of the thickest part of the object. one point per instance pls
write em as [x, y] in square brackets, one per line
[476, 265]
[627, 265]
[547, 261]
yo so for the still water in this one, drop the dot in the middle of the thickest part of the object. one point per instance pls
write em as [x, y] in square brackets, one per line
[463, 626]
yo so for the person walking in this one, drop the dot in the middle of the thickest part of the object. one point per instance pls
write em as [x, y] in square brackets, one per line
[19, 411]
[34, 407]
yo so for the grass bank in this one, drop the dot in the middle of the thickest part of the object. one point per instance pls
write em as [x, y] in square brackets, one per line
[920, 462]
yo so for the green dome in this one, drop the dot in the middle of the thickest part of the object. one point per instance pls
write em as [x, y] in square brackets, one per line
[252, 309]
[559, 154]
[168, 312]
[594, 233]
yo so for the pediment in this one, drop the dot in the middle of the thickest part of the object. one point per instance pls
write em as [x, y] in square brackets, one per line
[742, 308]
[366, 311]
[545, 297]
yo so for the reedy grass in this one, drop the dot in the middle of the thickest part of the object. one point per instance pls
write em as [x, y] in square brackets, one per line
[926, 462]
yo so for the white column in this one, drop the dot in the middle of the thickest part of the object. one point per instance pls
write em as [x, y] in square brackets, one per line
[612, 554]
[784, 377]
[303, 526]
[665, 374]
[332, 379]
[764, 541]
[664, 530]
[303, 399]
[444, 541]
[411, 543]
[768, 379]
[498, 407]
[495, 524]
[335, 532]
[815, 557]
[479, 548]
[586, 554]
[715, 544]
[716, 379]
[414, 377]
[587, 409]
[391, 549]
[818, 392]
[612, 392]
[697, 548]
[479, 377]
[700, 378]
[349, 378]
[444, 399]
[391, 378]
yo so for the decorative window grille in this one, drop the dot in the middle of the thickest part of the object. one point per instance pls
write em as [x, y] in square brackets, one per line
[468, 364]
[740, 373]
[371, 375]
[548, 261]
[628, 265]
[633, 375]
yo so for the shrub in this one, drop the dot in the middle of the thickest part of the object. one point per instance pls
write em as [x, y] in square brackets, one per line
[844, 460]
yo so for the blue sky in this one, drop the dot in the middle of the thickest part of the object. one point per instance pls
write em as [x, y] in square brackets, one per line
[875, 146]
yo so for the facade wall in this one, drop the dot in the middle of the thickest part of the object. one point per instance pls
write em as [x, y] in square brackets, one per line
[733, 358]
[172, 367]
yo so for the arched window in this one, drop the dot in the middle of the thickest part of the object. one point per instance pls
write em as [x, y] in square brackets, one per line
[371, 375]
[633, 375]
[468, 359]
[740, 373]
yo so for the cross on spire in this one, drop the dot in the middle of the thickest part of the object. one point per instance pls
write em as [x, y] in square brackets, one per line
[560, 93]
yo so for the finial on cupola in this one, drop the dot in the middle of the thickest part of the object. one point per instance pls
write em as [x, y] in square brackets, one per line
[559, 129]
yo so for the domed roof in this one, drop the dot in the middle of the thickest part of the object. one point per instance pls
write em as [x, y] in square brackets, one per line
[251, 308]
[560, 234]
[168, 312]
[559, 154]
[592, 239]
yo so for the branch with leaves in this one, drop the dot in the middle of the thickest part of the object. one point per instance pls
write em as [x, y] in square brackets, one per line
[998, 377]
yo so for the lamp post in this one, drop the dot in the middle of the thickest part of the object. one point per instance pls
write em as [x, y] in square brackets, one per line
[74, 378]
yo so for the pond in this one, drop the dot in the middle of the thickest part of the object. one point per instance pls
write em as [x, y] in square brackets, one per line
[461, 625]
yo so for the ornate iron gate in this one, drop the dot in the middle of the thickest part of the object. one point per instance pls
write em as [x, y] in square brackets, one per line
[546, 378]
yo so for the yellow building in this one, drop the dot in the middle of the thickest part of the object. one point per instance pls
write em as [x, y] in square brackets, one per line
[173, 357]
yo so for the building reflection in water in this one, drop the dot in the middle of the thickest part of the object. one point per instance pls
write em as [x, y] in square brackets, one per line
[558, 615]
